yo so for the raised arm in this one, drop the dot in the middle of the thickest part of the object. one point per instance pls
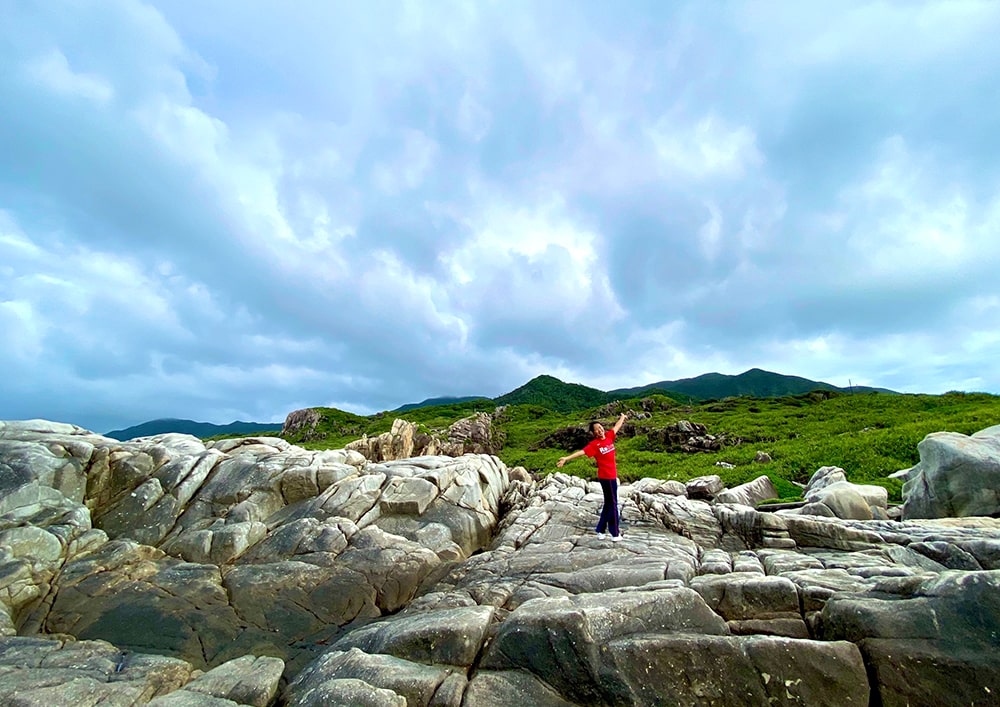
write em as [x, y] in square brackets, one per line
[621, 421]
[575, 455]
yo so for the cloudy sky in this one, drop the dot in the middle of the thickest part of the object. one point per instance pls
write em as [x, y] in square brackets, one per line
[235, 209]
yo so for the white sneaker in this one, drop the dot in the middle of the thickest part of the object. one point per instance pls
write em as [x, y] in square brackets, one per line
[602, 536]
[616, 538]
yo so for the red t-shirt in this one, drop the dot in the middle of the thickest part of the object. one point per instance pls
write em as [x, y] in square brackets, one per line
[603, 452]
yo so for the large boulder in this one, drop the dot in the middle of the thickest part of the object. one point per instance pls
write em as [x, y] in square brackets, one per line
[829, 494]
[957, 476]
[749, 494]
[929, 643]
[471, 435]
[42, 672]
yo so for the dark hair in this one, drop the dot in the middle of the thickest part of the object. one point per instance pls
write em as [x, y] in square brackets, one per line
[592, 424]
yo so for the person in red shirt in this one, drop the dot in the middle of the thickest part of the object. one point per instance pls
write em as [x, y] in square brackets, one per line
[602, 449]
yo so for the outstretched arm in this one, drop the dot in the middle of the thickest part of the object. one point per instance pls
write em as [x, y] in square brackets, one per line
[621, 421]
[575, 455]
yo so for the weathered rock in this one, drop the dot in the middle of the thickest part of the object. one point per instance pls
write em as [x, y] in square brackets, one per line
[843, 500]
[247, 681]
[560, 640]
[704, 488]
[418, 684]
[471, 435]
[510, 688]
[722, 670]
[750, 493]
[829, 494]
[654, 486]
[349, 691]
[448, 637]
[45, 672]
[956, 476]
[301, 423]
[920, 640]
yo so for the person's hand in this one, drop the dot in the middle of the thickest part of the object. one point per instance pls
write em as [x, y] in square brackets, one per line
[562, 460]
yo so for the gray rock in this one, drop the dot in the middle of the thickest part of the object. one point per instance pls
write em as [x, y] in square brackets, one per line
[956, 476]
[704, 488]
[560, 640]
[348, 691]
[750, 493]
[722, 670]
[920, 672]
[749, 596]
[247, 681]
[419, 684]
[448, 637]
[187, 698]
[35, 671]
[843, 499]
[407, 496]
[510, 688]
[655, 486]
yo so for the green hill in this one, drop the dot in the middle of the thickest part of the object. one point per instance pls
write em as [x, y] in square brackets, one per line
[754, 383]
[190, 427]
[552, 393]
[870, 436]
[431, 402]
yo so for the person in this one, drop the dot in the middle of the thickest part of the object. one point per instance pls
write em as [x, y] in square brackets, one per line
[602, 449]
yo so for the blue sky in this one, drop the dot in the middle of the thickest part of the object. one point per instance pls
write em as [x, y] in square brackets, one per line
[232, 210]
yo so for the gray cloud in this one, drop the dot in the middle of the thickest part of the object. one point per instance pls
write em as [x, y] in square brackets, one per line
[231, 212]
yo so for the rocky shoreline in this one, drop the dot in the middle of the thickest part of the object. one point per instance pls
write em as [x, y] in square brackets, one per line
[255, 572]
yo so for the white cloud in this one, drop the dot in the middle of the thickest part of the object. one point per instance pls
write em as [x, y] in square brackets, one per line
[706, 149]
[905, 223]
[23, 333]
[710, 234]
[473, 119]
[530, 263]
[407, 170]
[52, 70]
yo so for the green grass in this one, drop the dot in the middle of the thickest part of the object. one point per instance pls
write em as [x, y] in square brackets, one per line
[869, 435]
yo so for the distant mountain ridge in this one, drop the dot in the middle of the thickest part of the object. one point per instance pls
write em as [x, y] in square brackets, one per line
[754, 383]
[550, 392]
[431, 402]
[198, 429]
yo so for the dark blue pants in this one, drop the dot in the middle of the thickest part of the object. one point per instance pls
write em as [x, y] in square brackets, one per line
[609, 514]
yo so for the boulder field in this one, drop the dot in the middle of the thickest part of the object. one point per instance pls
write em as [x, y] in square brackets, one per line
[166, 571]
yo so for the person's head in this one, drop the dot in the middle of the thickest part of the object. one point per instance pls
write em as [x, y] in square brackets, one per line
[596, 429]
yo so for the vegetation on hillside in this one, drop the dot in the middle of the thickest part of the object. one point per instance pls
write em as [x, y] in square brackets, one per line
[552, 393]
[869, 435]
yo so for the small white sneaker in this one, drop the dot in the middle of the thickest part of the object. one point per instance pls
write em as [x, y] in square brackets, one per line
[602, 536]
[616, 538]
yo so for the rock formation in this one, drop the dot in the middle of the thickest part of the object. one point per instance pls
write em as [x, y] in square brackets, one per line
[470, 435]
[255, 572]
[957, 475]
[830, 494]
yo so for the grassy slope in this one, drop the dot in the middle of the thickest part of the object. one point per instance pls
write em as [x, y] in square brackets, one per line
[869, 435]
